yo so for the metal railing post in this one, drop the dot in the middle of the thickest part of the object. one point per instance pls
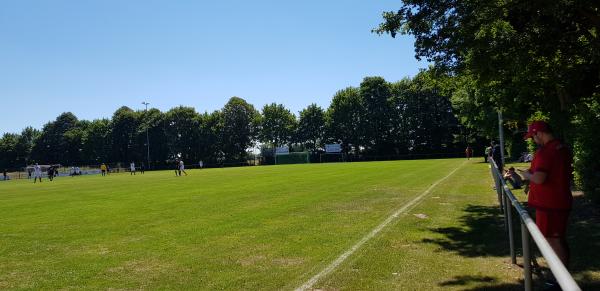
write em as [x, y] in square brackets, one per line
[505, 209]
[511, 238]
[501, 196]
[526, 257]
[497, 184]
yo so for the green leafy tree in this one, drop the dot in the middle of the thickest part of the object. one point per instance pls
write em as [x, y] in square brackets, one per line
[522, 56]
[74, 140]
[25, 144]
[401, 112]
[239, 128]
[154, 121]
[98, 142]
[423, 121]
[182, 129]
[209, 147]
[9, 156]
[277, 125]
[345, 119]
[55, 143]
[474, 109]
[432, 123]
[533, 55]
[311, 127]
[124, 130]
[376, 95]
[586, 145]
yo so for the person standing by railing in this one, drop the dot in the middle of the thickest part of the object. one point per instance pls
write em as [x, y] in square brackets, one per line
[550, 187]
[496, 155]
[487, 154]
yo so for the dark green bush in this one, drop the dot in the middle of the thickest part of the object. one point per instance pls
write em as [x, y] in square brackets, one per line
[586, 149]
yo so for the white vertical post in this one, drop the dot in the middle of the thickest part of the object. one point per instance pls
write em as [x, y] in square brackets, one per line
[501, 134]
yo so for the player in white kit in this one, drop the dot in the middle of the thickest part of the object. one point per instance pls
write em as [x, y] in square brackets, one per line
[37, 173]
[182, 167]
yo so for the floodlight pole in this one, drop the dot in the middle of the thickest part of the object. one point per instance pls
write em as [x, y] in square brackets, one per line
[147, 138]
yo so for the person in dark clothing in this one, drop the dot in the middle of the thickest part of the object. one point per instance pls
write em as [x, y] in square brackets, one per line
[50, 172]
[513, 178]
[497, 156]
[487, 154]
[5, 175]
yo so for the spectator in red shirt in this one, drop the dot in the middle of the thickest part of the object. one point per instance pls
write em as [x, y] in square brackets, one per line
[550, 187]
[469, 152]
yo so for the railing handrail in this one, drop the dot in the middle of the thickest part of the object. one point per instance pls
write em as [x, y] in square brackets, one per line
[562, 275]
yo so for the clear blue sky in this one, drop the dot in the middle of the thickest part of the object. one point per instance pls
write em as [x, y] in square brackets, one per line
[91, 57]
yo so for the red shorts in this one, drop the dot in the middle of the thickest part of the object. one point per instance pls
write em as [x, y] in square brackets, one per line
[552, 223]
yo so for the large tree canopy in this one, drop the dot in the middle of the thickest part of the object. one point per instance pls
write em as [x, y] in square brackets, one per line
[525, 58]
[376, 96]
[542, 53]
[182, 127]
[239, 128]
[344, 119]
[311, 127]
[278, 124]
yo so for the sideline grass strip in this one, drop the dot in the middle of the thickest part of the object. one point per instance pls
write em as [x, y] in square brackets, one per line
[453, 240]
[370, 235]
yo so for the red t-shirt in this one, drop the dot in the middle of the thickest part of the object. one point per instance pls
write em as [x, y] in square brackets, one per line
[555, 160]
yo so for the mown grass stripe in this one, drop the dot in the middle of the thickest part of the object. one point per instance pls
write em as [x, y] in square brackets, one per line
[333, 265]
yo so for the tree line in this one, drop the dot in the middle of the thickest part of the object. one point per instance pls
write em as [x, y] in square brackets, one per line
[411, 116]
[527, 59]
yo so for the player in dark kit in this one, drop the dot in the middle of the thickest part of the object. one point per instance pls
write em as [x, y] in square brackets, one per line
[50, 172]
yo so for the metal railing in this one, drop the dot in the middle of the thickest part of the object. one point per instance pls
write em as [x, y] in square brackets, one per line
[529, 230]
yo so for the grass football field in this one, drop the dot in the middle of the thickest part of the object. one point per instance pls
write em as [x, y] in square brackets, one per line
[259, 228]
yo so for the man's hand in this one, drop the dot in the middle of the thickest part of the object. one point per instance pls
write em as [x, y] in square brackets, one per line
[537, 177]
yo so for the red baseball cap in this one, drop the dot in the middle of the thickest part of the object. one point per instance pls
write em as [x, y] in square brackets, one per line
[535, 127]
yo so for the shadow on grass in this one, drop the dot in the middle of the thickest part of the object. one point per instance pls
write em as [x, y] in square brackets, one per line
[499, 287]
[483, 235]
[584, 241]
[485, 282]
[463, 280]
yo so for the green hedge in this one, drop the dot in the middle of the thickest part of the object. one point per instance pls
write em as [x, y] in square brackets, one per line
[586, 149]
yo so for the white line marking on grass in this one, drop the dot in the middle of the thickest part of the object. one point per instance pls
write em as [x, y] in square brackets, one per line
[308, 284]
